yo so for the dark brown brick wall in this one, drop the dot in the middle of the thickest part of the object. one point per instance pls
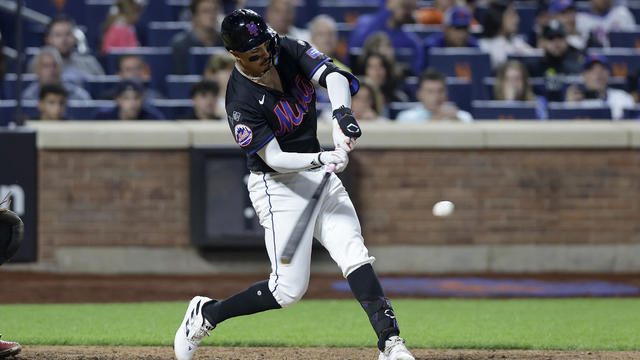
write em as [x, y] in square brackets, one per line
[141, 198]
[501, 196]
[106, 198]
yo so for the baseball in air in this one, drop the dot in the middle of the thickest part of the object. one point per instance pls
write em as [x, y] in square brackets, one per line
[443, 208]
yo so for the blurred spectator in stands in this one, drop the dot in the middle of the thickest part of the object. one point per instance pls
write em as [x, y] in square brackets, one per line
[560, 59]
[52, 102]
[281, 15]
[633, 85]
[378, 69]
[456, 32]
[324, 37]
[603, 17]
[564, 11]
[434, 15]
[432, 94]
[204, 95]
[596, 88]
[379, 42]
[218, 69]
[119, 29]
[76, 66]
[131, 66]
[129, 104]
[367, 103]
[48, 68]
[390, 20]
[541, 19]
[499, 37]
[512, 84]
[204, 32]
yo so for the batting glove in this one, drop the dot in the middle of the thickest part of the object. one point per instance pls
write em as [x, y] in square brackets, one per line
[345, 129]
[338, 157]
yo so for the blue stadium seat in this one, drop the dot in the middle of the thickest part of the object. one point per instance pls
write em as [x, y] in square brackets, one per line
[347, 11]
[158, 58]
[173, 108]
[159, 33]
[422, 30]
[86, 110]
[632, 114]
[9, 84]
[503, 110]
[458, 90]
[623, 61]
[537, 83]
[7, 109]
[97, 85]
[579, 111]
[198, 57]
[625, 39]
[469, 63]
[527, 13]
[528, 60]
[178, 86]
[96, 11]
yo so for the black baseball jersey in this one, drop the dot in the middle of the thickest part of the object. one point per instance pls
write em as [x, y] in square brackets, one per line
[257, 113]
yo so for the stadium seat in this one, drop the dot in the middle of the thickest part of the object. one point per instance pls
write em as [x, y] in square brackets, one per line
[9, 84]
[158, 58]
[503, 110]
[7, 111]
[178, 86]
[528, 60]
[97, 85]
[198, 57]
[96, 11]
[587, 110]
[625, 39]
[623, 61]
[173, 108]
[469, 63]
[86, 110]
[347, 11]
[422, 30]
[160, 33]
[632, 114]
[537, 83]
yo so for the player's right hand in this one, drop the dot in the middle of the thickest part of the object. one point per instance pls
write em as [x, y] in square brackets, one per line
[338, 157]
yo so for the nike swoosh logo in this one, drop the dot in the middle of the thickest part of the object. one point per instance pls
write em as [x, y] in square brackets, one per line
[261, 101]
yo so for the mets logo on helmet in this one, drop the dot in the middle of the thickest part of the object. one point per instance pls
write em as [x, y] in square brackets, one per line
[243, 134]
[253, 28]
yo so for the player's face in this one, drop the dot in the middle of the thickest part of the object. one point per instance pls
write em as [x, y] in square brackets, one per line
[432, 94]
[254, 62]
[61, 38]
[51, 107]
[130, 104]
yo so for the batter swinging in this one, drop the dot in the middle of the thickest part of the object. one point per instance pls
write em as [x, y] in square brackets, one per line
[270, 103]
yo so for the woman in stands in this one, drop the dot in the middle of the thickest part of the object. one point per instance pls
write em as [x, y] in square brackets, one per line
[380, 71]
[500, 33]
[512, 84]
[119, 30]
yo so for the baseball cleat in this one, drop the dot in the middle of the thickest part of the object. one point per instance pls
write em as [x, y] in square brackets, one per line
[394, 349]
[193, 329]
[9, 348]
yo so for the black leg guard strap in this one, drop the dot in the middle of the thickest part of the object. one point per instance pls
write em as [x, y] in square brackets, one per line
[367, 289]
[256, 298]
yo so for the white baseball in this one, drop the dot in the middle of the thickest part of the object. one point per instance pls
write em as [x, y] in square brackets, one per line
[443, 208]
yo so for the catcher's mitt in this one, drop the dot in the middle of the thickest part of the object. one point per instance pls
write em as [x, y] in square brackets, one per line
[11, 232]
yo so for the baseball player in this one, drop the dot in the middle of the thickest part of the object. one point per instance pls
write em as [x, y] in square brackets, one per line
[270, 103]
[11, 234]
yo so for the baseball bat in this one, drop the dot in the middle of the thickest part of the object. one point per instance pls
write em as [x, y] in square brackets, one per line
[303, 221]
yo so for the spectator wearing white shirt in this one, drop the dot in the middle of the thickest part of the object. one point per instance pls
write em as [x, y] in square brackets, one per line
[432, 94]
[281, 15]
[499, 37]
[596, 87]
[602, 18]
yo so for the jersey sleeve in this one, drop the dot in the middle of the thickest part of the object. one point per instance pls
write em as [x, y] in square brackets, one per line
[248, 127]
[309, 58]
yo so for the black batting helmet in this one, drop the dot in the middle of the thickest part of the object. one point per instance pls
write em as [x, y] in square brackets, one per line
[244, 29]
[11, 234]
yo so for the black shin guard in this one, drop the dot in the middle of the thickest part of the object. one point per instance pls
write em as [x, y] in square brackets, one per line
[255, 299]
[366, 287]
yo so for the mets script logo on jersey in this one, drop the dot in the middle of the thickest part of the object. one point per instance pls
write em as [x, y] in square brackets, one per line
[291, 117]
[243, 134]
[253, 28]
[313, 53]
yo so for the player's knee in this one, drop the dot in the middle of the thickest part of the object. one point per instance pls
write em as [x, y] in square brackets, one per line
[289, 295]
